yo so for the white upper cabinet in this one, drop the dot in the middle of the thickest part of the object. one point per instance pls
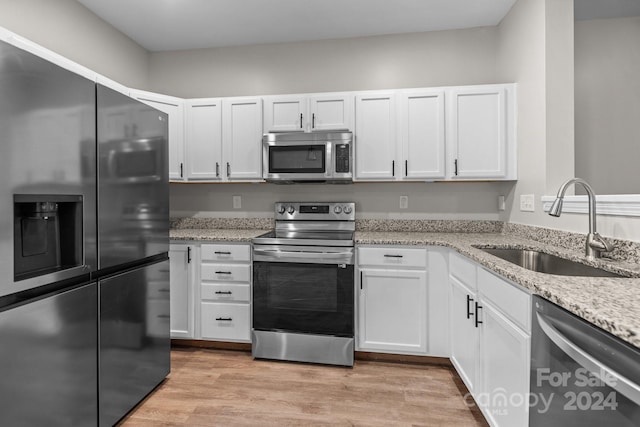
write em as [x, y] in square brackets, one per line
[204, 139]
[375, 136]
[174, 108]
[482, 132]
[242, 138]
[422, 134]
[308, 113]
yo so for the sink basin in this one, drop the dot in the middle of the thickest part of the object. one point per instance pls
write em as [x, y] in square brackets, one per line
[546, 263]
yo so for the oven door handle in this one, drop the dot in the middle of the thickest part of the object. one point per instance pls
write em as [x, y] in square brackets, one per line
[619, 382]
[317, 257]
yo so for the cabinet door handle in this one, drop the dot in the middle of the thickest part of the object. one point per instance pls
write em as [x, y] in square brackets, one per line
[406, 168]
[164, 290]
[313, 121]
[455, 167]
[188, 255]
[223, 272]
[217, 170]
[163, 316]
[181, 170]
[361, 280]
[224, 319]
[228, 170]
[300, 120]
[393, 256]
[469, 301]
[222, 253]
[224, 292]
[478, 321]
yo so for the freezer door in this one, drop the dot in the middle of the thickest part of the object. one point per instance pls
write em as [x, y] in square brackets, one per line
[48, 152]
[49, 361]
[134, 338]
[133, 179]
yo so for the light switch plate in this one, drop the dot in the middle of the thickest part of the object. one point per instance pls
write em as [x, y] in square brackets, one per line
[501, 204]
[527, 203]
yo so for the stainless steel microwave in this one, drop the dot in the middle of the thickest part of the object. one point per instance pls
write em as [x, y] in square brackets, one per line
[295, 157]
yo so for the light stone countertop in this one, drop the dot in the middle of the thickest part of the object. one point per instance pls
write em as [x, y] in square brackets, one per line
[610, 303]
[214, 234]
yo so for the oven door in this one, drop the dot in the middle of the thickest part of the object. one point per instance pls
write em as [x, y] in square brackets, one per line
[303, 297]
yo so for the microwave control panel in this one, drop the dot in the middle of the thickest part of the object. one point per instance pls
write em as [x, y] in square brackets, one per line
[342, 158]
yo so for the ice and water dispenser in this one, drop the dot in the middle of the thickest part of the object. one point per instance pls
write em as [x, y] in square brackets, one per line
[47, 234]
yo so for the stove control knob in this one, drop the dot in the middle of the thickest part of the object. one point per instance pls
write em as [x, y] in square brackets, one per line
[291, 210]
[281, 209]
[347, 210]
[337, 209]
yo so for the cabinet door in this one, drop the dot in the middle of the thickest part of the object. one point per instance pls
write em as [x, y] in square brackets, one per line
[464, 333]
[422, 133]
[285, 113]
[204, 139]
[242, 138]
[479, 132]
[393, 311]
[181, 291]
[174, 108]
[331, 112]
[376, 136]
[505, 360]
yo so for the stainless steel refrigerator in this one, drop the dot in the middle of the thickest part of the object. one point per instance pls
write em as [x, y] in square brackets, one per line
[84, 281]
[48, 251]
[133, 245]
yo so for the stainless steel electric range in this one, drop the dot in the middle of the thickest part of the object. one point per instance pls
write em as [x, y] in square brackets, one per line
[303, 284]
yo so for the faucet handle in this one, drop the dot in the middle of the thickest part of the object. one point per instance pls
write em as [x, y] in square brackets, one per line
[600, 244]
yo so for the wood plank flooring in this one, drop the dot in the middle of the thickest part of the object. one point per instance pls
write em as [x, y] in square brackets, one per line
[210, 387]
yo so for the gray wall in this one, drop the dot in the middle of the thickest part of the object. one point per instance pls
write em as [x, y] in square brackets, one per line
[71, 30]
[381, 62]
[607, 62]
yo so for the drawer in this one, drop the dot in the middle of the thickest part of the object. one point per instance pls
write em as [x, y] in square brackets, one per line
[463, 269]
[226, 272]
[225, 253]
[513, 302]
[220, 321]
[225, 292]
[393, 256]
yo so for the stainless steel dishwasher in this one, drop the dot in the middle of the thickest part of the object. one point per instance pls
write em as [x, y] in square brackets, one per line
[581, 375]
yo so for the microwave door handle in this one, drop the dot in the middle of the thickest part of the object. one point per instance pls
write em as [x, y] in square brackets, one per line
[621, 384]
[329, 161]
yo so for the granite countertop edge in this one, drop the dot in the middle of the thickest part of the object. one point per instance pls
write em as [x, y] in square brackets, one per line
[613, 304]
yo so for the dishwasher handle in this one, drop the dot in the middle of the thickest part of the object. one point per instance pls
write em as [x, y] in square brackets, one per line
[623, 385]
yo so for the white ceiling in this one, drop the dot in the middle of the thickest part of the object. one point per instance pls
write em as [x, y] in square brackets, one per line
[161, 25]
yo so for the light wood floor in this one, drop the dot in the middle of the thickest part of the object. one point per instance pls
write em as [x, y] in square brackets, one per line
[229, 388]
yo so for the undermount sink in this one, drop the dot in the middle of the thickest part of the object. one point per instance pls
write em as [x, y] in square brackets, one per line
[546, 263]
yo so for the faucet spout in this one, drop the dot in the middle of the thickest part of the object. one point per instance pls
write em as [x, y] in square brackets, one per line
[595, 244]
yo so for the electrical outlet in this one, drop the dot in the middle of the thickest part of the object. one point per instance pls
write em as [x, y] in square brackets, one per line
[501, 204]
[404, 202]
[237, 202]
[527, 203]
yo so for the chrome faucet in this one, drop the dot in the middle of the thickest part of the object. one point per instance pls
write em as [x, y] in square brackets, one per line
[596, 244]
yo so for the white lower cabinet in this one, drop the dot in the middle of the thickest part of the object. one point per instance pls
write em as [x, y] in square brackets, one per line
[490, 341]
[182, 261]
[225, 292]
[392, 300]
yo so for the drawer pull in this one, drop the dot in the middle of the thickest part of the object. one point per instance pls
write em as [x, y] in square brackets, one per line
[164, 290]
[163, 316]
[223, 272]
[392, 256]
[224, 292]
[224, 319]
[222, 253]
